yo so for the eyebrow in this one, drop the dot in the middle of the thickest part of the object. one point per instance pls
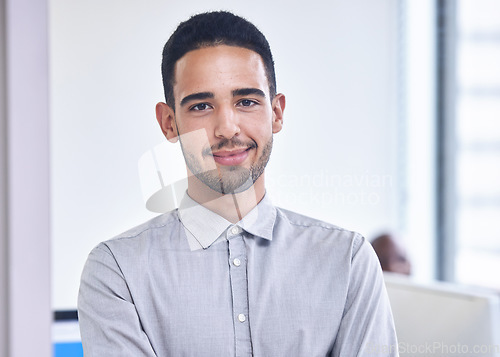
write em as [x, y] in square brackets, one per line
[196, 96]
[248, 91]
[236, 93]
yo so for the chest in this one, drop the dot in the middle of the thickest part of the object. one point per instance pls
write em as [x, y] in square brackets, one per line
[240, 299]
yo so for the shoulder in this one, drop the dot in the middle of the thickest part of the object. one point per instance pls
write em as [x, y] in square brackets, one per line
[164, 221]
[154, 232]
[317, 230]
[300, 220]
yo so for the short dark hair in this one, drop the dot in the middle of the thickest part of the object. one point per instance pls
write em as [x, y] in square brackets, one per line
[213, 29]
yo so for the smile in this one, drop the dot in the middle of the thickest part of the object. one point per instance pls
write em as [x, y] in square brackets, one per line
[231, 157]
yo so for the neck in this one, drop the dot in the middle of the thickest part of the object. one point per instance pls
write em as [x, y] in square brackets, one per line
[231, 206]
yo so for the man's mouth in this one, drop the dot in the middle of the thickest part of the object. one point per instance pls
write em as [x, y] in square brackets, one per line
[231, 157]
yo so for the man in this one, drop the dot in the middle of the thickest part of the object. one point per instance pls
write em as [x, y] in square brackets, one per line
[391, 255]
[228, 273]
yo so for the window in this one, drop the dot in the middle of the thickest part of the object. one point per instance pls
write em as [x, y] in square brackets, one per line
[472, 168]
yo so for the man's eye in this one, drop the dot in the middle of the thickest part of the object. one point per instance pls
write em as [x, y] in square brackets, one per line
[200, 107]
[247, 103]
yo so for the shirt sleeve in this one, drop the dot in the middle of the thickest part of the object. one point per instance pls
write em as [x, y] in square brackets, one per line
[109, 324]
[367, 326]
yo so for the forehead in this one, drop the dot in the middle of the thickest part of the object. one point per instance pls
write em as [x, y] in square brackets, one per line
[217, 67]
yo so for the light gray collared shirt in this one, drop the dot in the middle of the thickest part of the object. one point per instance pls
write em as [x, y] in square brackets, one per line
[190, 283]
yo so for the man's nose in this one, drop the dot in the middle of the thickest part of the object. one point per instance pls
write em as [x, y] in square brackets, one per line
[227, 125]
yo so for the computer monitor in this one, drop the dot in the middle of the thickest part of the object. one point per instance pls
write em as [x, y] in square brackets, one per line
[440, 319]
[66, 335]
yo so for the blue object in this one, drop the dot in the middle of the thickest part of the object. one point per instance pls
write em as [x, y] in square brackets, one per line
[68, 349]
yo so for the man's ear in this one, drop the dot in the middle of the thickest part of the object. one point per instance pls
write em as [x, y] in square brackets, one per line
[166, 118]
[278, 107]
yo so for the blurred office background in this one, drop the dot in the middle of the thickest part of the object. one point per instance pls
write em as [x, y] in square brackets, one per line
[392, 124]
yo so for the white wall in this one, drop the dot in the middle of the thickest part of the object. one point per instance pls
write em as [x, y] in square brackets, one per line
[335, 61]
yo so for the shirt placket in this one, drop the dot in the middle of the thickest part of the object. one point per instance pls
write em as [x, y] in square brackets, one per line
[239, 289]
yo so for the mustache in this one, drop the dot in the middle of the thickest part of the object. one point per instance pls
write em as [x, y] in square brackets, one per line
[230, 144]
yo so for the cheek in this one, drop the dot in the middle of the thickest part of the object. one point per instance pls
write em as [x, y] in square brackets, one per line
[194, 139]
[188, 125]
[259, 124]
[262, 132]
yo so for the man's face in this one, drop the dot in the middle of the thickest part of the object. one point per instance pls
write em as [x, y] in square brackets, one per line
[223, 93]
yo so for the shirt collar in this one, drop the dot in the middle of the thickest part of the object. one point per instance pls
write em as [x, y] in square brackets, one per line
[260, 221]
[204, 227]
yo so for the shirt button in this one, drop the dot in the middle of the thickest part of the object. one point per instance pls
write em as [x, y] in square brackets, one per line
[234, 230]
[241, 318]
[236, 262]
